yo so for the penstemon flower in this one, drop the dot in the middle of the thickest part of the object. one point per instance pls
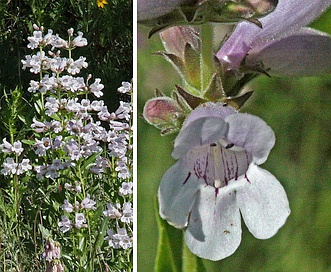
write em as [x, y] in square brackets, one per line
[217, 177]
[283, 44]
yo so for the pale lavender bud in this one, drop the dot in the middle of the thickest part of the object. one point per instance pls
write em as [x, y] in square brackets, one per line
[70, 32]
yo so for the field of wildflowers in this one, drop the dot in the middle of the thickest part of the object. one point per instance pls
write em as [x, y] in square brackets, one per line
[66, 153]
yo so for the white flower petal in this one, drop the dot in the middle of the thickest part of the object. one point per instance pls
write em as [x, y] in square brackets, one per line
[177, 192]
[201, 131]
[304, 53]
[263, 203]
[214, 229]
[251, 133]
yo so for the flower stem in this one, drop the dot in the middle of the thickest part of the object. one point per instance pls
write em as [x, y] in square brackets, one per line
[207, 55]
[189, 260]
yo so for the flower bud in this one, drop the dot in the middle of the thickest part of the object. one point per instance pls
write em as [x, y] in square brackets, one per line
[163, 113]
[176, 38]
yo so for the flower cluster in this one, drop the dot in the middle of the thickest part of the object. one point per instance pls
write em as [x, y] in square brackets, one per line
[123, 215]
[61, 95]
[77, 149]
[80, 221]
[52, 255]
[119, 239]
[11, 165]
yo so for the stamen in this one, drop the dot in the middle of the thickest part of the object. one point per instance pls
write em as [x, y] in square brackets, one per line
[228, 146]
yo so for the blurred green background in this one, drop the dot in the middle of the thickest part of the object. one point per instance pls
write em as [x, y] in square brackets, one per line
[299, 111]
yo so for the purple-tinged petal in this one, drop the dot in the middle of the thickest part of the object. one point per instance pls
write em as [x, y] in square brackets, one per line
[214, 228]
[149, 9]
[304, 53]
[263, 203]
[236, 47]
[209, 109]
[177, 192]
[288, 17]
[202, 131]
[251, 133]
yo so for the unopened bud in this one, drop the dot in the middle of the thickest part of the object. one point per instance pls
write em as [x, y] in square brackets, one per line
[176, 38]
[163, 113]
[70, 32]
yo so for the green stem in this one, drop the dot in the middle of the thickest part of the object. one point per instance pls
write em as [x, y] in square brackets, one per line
[17, 197]
[189, 260]
[207, 55]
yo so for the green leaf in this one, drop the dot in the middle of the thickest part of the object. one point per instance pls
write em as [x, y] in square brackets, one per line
[214, 91]
[28, 142]
[165, 258]
[102, 232]
[45, 232]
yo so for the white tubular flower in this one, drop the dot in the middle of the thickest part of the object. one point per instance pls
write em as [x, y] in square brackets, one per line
[96, 88]
[88, 203]
[7, 147]
[80, 221]
[112, 212]
[217, 177]
[79, 41]
[125, 88]
[126, 188]
[23, 166]
[65, 224]
[283, 44]
[9, 167]
[35, 40]
[67, 207]
[127, 213]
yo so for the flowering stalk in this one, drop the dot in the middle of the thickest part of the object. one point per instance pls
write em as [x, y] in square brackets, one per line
[78, 155]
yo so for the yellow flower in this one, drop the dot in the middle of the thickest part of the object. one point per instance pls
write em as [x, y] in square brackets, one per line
[101, 3]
